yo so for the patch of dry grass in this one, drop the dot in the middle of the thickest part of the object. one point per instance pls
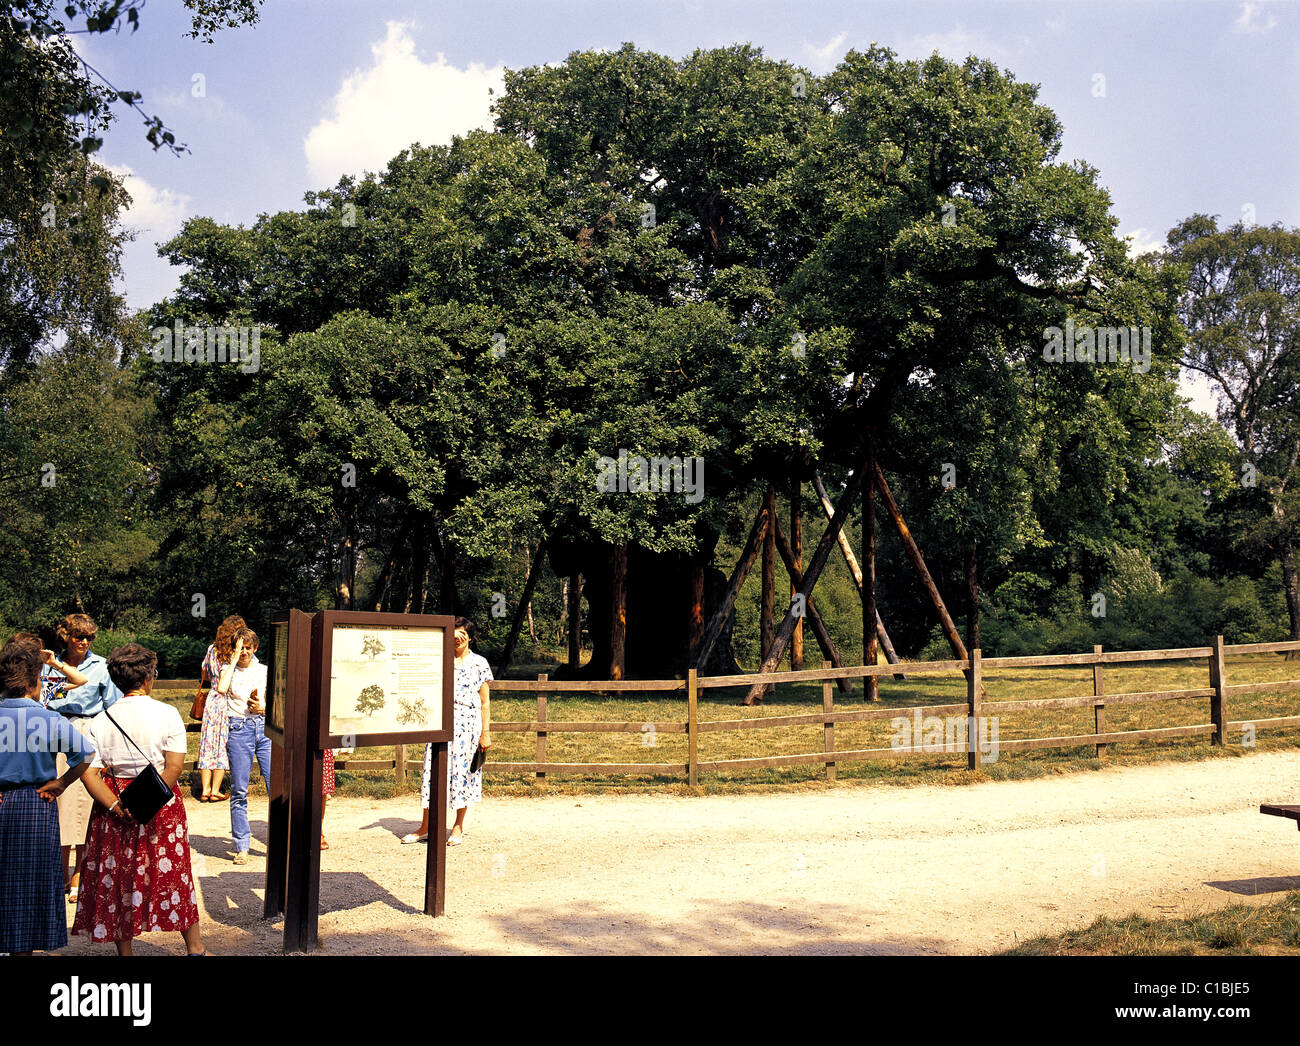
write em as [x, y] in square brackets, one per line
[1241, 929]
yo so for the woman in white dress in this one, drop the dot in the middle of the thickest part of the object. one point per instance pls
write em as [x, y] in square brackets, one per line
[471, 731]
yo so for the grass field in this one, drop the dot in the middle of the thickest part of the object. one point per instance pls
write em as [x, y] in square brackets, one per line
[791, 699]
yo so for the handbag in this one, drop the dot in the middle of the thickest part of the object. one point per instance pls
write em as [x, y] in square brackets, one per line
[200, 703]
[476, 764]
[148, 793]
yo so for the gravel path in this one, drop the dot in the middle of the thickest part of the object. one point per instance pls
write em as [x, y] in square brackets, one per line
[854, 869]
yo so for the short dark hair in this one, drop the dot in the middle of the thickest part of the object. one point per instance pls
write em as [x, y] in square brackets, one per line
[20, 665]
[130, 665]
[468, 626]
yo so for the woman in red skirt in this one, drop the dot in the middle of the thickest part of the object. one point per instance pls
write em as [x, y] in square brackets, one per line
[137, 877]
[326, 790]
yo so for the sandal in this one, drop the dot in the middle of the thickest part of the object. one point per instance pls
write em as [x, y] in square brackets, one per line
[73, 894]
[413, 838]
[323, 844]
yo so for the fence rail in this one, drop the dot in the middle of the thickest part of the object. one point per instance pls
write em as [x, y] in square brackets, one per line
[975, 707]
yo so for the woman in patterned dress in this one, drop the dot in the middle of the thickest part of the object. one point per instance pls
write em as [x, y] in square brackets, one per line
[139, 876]
[213, 759]
[470, 731]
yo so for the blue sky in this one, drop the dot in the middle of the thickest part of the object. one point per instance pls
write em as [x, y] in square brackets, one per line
[1197, 108]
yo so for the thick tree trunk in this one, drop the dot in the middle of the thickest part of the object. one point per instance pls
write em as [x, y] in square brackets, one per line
[869, 613]
[696, 627]
[814, 616]
[574, 611]
[757, 532]
[796, 549]
[618, 618]
[810, 577]
[345, 598]
[891, 655]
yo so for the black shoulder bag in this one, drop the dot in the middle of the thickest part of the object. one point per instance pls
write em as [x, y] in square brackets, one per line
[148, 793]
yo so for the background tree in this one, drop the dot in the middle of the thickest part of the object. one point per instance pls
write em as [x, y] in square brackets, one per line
[1241, 308]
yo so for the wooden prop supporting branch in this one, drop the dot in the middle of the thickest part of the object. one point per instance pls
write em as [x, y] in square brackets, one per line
[767, 611]
[376, 599]
[811, 575]
[756, 534]
[811, 612]
[891, 655]
[918, 561]
[796, 547]
[522, 609]
[870, 614]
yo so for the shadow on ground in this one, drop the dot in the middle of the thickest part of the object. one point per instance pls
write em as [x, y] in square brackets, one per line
[724, 928]
[1262, 884]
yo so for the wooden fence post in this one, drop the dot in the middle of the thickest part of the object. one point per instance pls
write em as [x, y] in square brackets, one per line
[828, 729]
[692, 728]
[401, 770]
[1099, 707]
[541, 734]
[1219, 702]
[974, 686]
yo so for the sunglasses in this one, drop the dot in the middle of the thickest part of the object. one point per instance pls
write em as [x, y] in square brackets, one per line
[90, 637]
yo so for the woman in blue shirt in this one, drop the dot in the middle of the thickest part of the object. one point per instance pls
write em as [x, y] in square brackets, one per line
[32, 915]
[79, 704]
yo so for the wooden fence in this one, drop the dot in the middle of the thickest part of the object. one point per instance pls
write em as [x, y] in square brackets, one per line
[975, 708]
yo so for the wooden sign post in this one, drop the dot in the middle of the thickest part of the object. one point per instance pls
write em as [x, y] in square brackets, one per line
[349, 679]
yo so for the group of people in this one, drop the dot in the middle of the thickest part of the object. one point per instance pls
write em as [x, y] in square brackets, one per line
[60, 738]
[233, 735]
[76, 729]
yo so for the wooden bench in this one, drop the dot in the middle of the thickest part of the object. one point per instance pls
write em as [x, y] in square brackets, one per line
[1292, 812]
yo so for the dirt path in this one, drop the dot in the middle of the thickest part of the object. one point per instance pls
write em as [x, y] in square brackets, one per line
[854, 869]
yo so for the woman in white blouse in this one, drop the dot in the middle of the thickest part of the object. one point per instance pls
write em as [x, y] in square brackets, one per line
[137, 876]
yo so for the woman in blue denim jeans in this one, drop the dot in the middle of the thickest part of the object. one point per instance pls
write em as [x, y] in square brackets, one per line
[241, 683]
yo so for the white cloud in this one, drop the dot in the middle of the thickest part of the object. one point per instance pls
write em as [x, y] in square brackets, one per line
[155, 213]
[1143, 241]
[400, 99]
[823, 59]
[1250, 20]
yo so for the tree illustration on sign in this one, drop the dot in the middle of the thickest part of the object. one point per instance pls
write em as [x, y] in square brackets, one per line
[371, 700]
[413, 712]
[372, 647]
